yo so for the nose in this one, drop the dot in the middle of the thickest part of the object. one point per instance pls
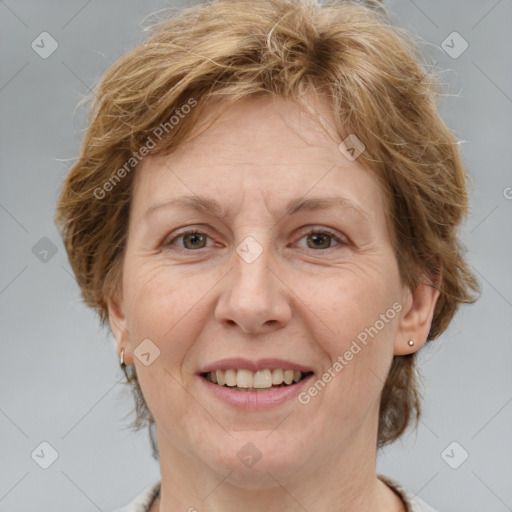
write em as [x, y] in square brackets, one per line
[254, 296]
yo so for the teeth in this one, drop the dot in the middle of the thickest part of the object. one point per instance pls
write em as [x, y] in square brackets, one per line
[220, 378]
[262, 379]
[288, 376]
[230, 378]
[277, 376]
[245, 380]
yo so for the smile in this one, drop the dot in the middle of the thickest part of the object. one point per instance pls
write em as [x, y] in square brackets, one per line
[261, 380]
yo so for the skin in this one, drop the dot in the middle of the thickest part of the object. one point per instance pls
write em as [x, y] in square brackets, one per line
[303, 299]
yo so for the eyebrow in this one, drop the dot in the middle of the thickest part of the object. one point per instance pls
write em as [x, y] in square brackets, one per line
[300, 204]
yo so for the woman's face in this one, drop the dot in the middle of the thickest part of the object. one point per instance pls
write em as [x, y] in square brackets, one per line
[253, 285]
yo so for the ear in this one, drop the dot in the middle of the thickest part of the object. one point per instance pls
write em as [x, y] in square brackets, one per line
[118, 325]
[418, 311]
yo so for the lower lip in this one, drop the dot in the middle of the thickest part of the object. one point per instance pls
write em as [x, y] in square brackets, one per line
[254, 400]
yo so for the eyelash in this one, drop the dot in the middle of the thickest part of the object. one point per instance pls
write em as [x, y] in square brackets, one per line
[316, 231]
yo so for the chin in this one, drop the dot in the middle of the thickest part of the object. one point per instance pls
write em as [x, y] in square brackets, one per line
[257, 459]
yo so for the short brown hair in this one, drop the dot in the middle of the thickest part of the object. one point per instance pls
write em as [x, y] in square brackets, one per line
[344, 52]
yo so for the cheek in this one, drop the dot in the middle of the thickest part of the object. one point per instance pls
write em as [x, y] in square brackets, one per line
[353, 298]
[163, 306]
[358, 308]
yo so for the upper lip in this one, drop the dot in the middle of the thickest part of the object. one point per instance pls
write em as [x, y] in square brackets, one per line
[239, 363]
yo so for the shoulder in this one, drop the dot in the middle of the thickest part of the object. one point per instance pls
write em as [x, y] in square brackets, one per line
[414, 504]
[143, 501]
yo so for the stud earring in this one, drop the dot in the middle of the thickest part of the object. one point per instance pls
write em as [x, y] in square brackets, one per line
[410, 343]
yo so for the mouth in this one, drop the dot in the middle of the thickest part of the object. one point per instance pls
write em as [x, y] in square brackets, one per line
[254, 385]
[256, 381]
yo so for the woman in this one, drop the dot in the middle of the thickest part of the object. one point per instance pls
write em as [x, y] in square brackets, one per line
[265, 210]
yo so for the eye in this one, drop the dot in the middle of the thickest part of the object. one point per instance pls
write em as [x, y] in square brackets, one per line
[192, 240]
[321, 239]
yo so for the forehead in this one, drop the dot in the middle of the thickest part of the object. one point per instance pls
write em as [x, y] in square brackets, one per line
[267, 150]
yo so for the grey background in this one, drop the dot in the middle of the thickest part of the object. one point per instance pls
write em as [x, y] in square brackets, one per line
[59, 375]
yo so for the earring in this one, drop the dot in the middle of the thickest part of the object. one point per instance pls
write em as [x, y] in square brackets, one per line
[410, 343]
[122, 357]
